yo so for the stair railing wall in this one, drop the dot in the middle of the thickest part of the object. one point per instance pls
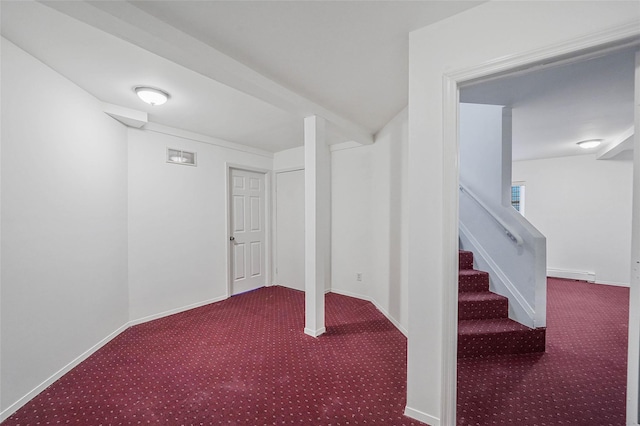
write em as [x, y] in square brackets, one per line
[516, 271]
[504, 243]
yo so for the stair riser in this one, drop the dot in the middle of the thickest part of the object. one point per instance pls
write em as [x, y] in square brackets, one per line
[465, 260]
[512, 342]
[483, 309]
[474, 281]
[467, 287]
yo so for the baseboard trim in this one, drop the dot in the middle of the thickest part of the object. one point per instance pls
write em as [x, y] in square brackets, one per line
[423, 417]
[393, 321]
[612, 283]
[572, 275]
[315, 333]
[5, 414]
[176, 311]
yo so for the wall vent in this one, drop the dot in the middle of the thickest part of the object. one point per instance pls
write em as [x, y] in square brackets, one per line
[177, 156]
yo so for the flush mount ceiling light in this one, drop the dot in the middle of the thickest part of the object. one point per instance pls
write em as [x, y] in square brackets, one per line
[151, 95]
[591, 143]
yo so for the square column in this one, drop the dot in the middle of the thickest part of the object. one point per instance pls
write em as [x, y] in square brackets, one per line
[317, 237]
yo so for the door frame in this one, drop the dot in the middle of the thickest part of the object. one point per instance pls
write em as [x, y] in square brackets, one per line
[267, 221]
[274, 257]
[572, 50]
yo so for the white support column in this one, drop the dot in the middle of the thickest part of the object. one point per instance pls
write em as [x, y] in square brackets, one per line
[317, 208]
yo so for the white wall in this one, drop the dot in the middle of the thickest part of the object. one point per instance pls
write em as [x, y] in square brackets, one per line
[178, 222]
[351, 227]
[64, 226]
[285, 162]
[369, 221]
[289, 159]
[583, 207]
[388, 220]
[485, 161]
[478, 37]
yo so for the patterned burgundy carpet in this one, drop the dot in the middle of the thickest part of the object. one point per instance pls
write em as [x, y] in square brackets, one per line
[580, 380]
[244, 361]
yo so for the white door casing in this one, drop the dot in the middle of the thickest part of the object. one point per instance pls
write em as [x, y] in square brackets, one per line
[248, 234]
[290, 229]
[633, 360]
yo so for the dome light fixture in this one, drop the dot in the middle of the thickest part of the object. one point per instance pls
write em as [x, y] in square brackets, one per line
[588, 144]
[151, 95]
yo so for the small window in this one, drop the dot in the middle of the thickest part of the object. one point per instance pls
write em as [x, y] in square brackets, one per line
[517, 197]
[177, 156]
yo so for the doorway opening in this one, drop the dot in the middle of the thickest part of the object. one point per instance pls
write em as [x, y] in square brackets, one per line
[248, 229]
[576, 61]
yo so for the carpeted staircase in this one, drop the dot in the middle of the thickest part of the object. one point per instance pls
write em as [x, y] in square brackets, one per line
[484, 327]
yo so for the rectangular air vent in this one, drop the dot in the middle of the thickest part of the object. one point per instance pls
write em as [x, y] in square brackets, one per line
[177, 156]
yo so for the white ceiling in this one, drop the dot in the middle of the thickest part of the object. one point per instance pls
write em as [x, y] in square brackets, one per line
[556, 107]
[246, 72]
[349, 56]
[249, 71]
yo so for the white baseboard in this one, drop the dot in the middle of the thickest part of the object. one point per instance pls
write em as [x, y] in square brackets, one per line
[175, 311]
[613, 283]
[589, 277]
[572, 275]
[5, 414]
[351, 294]
[393, 321]
[423, 417]
[315, 333]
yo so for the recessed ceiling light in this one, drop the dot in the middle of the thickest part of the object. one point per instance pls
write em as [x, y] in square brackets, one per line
[151, 95]
[591, 143]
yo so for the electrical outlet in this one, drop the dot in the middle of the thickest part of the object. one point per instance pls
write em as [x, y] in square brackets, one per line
[358, 276]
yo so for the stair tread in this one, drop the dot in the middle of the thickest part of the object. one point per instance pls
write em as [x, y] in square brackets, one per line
[490, 326]
[479, 296]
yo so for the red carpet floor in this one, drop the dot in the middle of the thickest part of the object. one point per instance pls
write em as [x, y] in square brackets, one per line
[244, 361]
[580, 380]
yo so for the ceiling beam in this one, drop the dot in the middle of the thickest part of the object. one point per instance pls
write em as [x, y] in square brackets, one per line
[127, 116]
[125, 21]
[622, 142]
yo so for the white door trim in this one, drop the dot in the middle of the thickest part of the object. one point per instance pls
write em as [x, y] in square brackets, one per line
[567, 51]
[633, 357]
[267, 220]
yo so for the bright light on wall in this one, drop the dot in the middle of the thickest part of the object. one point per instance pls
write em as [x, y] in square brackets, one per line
[591, 143]
[151, 95]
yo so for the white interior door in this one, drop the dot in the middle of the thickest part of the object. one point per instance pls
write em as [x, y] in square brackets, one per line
[290, 229]
[247, 230]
